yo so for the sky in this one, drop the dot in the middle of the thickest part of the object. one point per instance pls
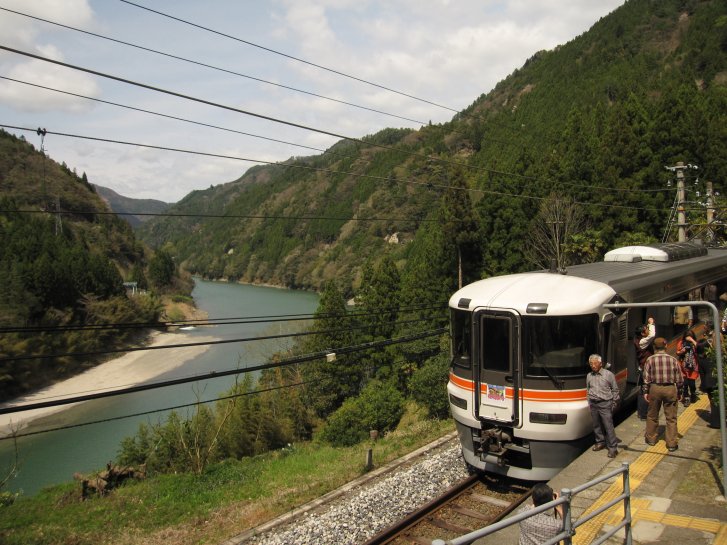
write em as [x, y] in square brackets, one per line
[347, 67]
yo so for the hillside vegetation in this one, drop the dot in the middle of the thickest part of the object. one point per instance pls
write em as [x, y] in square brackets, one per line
[63, 260]
[593, 121]
[585, 129]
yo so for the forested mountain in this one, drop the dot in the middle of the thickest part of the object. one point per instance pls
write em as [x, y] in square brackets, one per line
[132, 210]
[60, 270]
[593, 121]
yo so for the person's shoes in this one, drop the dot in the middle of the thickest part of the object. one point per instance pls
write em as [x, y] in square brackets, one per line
[650, 443]
[598, 446]
[685, 402]
[642, 418]
[672, 449]
[694, 398]
[612, 453]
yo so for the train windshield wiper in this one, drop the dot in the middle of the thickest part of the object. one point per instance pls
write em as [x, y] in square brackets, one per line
[558, 382]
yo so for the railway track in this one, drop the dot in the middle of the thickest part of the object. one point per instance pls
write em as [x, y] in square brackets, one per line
[471, 504]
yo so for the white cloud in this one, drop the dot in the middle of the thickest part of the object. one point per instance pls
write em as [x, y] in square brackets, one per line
[444, 51]
[24, 33]
[34, 99]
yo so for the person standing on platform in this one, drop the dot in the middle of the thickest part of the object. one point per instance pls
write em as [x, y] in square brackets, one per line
[688, 362]
[543, 526]
[644, 345]
[603, 398]
[662, 386]
[707, 383]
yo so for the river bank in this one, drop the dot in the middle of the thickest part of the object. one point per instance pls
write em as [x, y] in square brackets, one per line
[130, 369]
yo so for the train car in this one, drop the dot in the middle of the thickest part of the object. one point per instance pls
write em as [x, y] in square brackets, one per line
[520, 347]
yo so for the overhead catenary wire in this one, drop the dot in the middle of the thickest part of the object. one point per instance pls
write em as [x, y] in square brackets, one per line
[287, 123]
[218, 374]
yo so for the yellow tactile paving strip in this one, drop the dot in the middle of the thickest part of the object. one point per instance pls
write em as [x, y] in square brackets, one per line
[638, 471]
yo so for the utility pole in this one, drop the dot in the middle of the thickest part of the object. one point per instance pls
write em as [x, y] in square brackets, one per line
[59, 223]
[681, 216]
[710, 213]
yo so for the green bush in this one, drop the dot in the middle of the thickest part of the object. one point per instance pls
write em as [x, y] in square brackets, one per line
[379, 407]
[428, 386]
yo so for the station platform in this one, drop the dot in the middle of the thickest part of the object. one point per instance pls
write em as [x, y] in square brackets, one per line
[676, 497]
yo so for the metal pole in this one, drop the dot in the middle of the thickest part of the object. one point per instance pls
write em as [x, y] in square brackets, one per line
[567, 515]
[627, 502]
[718, 354]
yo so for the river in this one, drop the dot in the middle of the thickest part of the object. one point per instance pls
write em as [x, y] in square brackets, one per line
[53, 457]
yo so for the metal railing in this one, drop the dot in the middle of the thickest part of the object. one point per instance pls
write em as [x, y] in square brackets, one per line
[569, 527]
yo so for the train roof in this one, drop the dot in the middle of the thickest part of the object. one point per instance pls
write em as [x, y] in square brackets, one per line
[561, 294]
[651, 273]
[656, 279]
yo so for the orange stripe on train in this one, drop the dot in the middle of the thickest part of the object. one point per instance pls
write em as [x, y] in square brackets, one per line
[532, 395]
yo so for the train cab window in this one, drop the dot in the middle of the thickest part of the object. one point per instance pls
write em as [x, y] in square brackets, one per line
[496, 348]
[461, 329]
[559, 345]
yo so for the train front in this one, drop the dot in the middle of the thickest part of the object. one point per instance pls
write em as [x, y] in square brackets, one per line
[520, 347]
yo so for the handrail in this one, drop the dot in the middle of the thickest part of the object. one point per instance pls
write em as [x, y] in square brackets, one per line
[566, 496]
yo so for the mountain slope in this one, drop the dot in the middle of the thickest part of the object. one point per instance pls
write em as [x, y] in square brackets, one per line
[594, 121]
[63, 259]
[134, 211]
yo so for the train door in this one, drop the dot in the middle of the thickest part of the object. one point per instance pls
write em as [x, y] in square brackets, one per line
[616, 348]
[498, 370]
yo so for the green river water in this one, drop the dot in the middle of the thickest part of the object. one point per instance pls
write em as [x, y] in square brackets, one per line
[53, 457]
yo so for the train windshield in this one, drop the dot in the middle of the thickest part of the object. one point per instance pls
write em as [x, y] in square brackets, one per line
[461, 324]
[559, 345]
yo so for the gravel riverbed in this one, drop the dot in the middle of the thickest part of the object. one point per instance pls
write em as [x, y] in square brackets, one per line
[366, 510]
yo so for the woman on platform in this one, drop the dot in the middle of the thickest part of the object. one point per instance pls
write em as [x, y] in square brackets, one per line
[688, 362]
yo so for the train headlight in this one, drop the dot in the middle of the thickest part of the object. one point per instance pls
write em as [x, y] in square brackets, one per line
[548, 418]
[458, 402]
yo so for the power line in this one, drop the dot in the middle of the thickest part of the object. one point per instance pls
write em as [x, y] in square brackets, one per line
[290, 124]
[219, 374]
[198, 63]
[428, 185]
[211, 321]
[200, 123]
[337, 72]
[144, 413]
[261, 161]
[187, 345]
[153, 411]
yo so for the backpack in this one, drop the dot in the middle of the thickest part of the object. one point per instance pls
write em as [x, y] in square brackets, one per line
[689, 360]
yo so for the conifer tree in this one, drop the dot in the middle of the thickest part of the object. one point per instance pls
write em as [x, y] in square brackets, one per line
[329, 383]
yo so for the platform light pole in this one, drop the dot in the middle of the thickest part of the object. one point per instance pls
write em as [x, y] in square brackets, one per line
[718, 353]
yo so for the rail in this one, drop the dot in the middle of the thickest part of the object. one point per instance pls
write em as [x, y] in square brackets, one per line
[569, 527]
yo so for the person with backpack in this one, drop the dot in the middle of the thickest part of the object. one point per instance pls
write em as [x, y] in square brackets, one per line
[689, 364]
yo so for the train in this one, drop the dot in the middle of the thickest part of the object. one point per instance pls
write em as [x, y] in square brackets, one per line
[520, 345]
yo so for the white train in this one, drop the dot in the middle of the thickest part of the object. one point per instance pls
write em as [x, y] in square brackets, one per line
[520, 347]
